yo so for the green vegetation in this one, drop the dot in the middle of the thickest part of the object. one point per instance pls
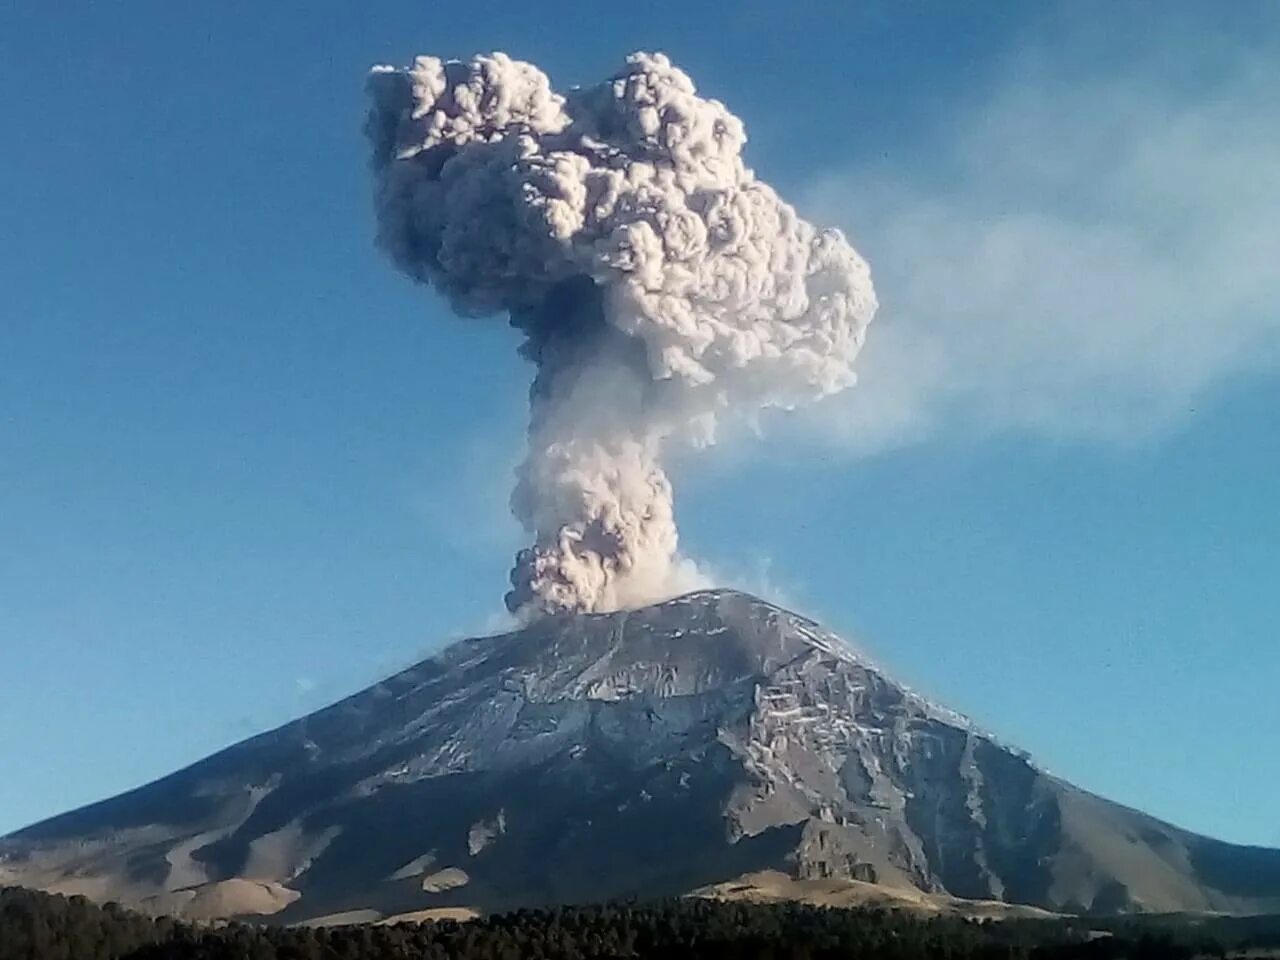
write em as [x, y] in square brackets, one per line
[37, 926]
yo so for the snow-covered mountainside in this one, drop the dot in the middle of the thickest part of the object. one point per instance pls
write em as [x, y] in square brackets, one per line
[641, 753]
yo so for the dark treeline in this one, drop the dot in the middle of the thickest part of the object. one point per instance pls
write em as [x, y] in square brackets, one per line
[36, 926]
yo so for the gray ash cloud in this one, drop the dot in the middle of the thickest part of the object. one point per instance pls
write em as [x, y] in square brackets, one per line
[659, 285]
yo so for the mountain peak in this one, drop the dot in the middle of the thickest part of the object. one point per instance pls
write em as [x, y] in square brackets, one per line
[646, 752]
[700, 641]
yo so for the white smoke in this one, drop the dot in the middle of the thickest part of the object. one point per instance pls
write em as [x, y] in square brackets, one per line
[659, 286]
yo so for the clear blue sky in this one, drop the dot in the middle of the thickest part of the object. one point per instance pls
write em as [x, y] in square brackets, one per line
[245, 468]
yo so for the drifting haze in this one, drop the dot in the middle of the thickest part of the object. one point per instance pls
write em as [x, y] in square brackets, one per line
[658, 284]
[1089, 256]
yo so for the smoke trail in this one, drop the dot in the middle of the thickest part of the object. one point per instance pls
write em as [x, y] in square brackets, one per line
[658, 284]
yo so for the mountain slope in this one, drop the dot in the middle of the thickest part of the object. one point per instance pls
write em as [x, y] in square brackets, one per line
[641, 753]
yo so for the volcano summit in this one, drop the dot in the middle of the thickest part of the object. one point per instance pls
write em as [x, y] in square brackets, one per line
[641, 753]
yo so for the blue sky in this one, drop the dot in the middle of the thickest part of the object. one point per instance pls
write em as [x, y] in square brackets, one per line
[245, 468]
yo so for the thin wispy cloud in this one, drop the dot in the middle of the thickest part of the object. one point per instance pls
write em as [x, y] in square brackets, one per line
[1083, 257]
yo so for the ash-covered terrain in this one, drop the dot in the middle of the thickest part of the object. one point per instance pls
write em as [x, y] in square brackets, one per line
[657, 751]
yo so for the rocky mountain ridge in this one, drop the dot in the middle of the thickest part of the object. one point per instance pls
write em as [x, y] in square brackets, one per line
[644, 753]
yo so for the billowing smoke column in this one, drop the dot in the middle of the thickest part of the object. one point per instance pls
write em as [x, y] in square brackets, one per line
[658, 284]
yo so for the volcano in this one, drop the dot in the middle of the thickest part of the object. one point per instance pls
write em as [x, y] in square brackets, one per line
[699, 744]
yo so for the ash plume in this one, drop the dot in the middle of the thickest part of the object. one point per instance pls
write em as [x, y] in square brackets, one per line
[658, 284]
